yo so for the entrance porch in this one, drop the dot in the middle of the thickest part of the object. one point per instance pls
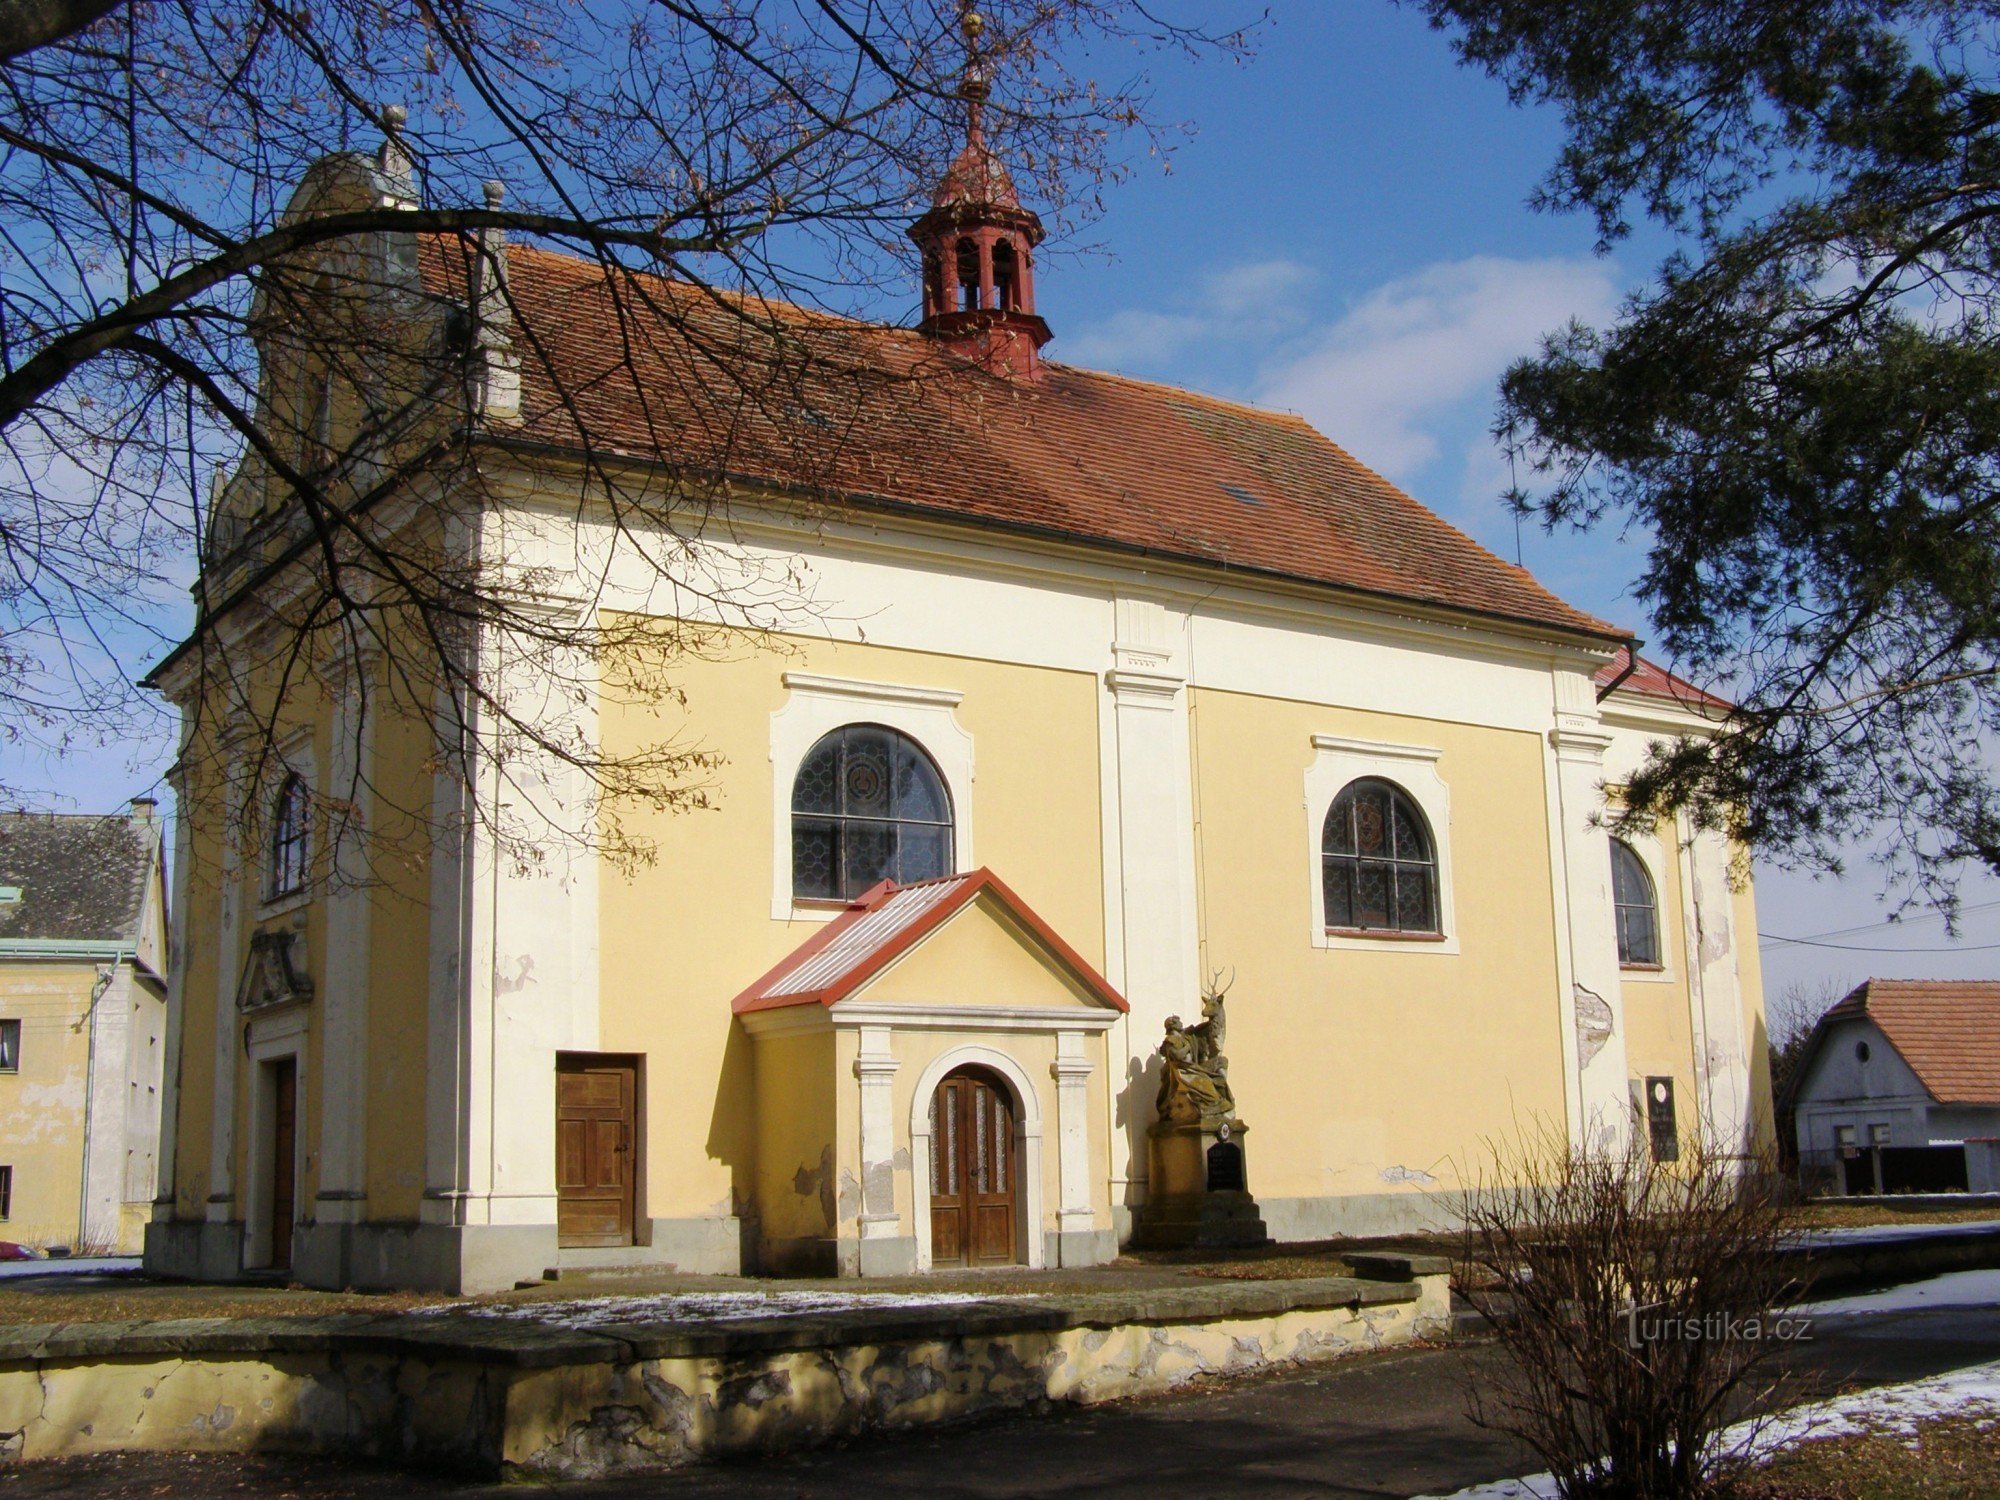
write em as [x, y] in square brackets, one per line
[932, 1089]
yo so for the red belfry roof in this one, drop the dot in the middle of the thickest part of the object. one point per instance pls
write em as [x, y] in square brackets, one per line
[882, 418]
[885, 922]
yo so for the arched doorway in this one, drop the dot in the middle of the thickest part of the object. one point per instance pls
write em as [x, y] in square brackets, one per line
[975, 1171]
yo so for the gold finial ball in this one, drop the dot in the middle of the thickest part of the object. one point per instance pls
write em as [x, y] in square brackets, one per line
[972, 23]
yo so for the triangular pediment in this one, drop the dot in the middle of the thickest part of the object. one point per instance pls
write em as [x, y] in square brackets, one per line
[958, 940]
[274, 973]
[984, 955]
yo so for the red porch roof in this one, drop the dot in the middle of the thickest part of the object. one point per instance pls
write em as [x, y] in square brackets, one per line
[885, 922]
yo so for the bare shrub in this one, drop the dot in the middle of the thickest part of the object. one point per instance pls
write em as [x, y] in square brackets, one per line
[1633, 1305]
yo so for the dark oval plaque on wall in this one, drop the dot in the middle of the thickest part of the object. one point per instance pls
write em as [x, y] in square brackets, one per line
[1225, 1167]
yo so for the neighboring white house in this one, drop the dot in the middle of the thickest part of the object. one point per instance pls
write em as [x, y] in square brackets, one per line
[1899, 1090]
[83, 1009]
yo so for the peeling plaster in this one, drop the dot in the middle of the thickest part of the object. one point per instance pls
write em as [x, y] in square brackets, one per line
[808, 1181]
[1594, 1024]
[1407, 1174]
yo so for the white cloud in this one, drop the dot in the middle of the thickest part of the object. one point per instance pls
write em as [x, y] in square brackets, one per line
[1387, 376]
[1248, 303]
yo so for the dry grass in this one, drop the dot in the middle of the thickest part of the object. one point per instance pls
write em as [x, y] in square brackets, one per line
[141, 1301]
[1949, 1458]
[1845, 1216]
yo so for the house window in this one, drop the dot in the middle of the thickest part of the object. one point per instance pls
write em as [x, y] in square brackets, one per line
[1638, 910]
[1376, 862]
[6, 1192]
[291, 839]
[10, 1046]
[1660, 1119]
[868, 805]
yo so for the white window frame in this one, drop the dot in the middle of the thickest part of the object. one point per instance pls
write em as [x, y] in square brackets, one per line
[1337, 763]
[819, 705]
[294, 757]
[1654, 858]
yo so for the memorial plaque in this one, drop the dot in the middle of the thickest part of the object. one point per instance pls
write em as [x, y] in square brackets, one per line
[1225, 1167]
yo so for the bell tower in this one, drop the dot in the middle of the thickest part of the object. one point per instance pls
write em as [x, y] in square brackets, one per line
[978, 245]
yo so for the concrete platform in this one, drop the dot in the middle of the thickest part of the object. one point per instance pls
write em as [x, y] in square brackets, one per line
[569, 1390]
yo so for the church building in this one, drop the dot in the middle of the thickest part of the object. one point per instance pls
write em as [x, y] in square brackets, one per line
[1110, 694]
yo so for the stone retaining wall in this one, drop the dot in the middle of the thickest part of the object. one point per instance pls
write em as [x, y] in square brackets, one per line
[493, 1396]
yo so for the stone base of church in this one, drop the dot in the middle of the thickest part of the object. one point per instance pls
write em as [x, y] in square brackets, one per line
[462, 1259]
[688, 1247]
[1087, 1247]
[194, 1249]
[1360, 1215]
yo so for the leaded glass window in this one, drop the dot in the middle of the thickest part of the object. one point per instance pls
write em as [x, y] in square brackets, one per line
[1638, 910]
[291, 839]
[868, 805]
[1377, 862]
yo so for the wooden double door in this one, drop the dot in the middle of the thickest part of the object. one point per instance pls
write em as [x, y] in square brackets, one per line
[975, 1186]
[596, 1148]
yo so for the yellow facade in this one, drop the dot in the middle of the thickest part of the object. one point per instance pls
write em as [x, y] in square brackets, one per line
[706, 899]
[42, 1104]
[82, 997]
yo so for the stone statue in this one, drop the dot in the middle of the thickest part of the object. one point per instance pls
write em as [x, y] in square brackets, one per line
[1194, 1075]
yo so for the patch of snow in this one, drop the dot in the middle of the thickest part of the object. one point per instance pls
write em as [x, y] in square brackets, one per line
[1972, 1393]
[708, 1307]
[71, 1265]
[1892, 1234]
[1955, 1289]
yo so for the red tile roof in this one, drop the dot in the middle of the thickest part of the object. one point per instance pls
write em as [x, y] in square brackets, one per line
[864, 415]
[885, 922]
[1651, 680]
[1947, 1030]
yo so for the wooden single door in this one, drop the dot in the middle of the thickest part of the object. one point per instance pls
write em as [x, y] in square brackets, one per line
[284, 1158]
[974, 1186]
[596, 1104]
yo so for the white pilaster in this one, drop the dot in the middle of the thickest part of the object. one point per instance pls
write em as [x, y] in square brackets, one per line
[228, 964]
[1593, 1022]
[514, 945]
[1149, 855]
[1072, 1069]
[349, 802]
[1715, 994]
[450, 1055]
[166, 1166]
[875, 1066]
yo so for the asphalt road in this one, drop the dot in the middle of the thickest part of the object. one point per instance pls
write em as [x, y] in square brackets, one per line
[1391, 1424]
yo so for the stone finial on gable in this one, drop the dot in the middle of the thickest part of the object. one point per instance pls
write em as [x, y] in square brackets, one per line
[395, 168]
[496, 369]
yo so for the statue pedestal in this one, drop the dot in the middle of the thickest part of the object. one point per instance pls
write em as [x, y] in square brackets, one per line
[1197, 1195]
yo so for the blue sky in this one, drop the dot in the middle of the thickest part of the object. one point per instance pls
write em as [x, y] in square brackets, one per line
[1346, 235]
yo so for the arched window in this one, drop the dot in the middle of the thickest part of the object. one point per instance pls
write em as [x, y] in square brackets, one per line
[968, 275]
[291, 839]
[1006, 280]
[1637, 908]
[868, 805]
[1378, 862]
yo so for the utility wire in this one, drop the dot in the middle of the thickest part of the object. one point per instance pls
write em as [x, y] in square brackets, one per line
[1877, 947]
[1935, 916]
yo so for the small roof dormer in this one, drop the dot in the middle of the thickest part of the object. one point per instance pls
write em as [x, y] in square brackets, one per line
[978, 246]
